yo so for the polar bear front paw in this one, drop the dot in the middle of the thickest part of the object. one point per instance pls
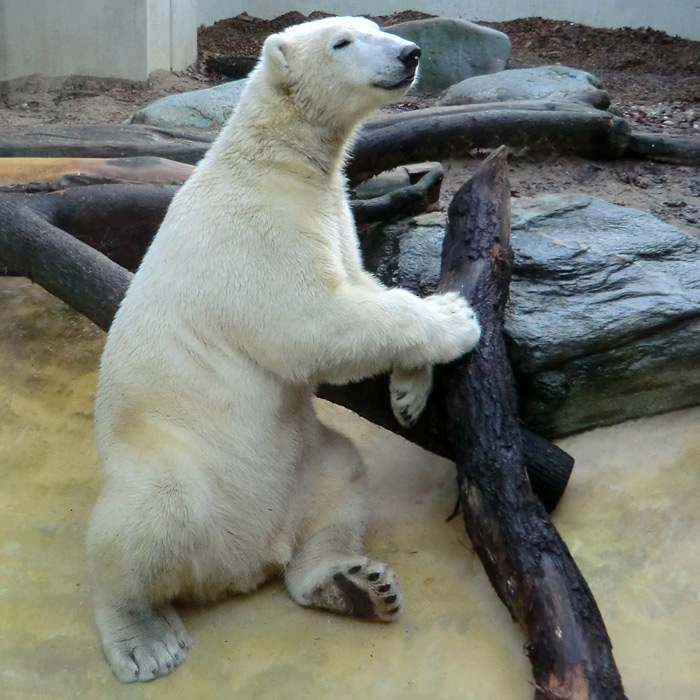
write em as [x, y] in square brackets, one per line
[409, 391]
[456, 329]
[361, 587]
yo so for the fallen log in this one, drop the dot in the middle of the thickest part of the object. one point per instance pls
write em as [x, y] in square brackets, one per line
[120, 219]
[113, 226]
[64, 266]
[665, 148]
[526, 560]
[384, 142]
[157, 171]
[104, 141]
[401, 203]
[548, 466]
[451, 132]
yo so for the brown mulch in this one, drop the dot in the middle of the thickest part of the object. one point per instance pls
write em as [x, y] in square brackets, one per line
[537, 40]
[244, 34]
[653, 78]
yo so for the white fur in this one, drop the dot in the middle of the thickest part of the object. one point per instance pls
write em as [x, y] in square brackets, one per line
[216, 472]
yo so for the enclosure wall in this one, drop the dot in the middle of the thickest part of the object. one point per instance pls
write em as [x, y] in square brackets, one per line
[131, 38]
[125, 39]
[677, 17]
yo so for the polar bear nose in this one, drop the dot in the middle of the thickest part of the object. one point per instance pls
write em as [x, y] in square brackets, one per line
[409, 55]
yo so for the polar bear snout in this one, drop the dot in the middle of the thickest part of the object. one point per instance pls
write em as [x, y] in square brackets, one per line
[409, 56]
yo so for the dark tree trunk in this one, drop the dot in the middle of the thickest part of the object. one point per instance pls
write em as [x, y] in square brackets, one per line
[452, 132]
[69, 269]
[104, 141]
[525, 558]
[548, 466]
[665, 148]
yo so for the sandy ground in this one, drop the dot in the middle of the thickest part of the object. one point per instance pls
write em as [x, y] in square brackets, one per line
[629, 517]
[629, 514]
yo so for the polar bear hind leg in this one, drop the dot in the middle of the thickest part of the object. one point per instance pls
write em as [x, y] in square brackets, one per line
[142, 636]
[328, 569]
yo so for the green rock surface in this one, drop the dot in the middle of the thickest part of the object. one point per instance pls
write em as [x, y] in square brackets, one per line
[453, 50]
[603, 323]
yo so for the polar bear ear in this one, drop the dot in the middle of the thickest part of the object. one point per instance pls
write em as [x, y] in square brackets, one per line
[274, 56]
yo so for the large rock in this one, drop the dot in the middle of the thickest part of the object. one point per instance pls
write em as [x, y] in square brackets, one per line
[204, 109]
[604, 318]
[453, 50]
[558, 83]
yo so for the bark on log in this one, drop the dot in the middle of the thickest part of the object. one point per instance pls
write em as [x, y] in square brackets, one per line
[69, 269]
[665, 148]
[526, 560]
[156, 171]
[383, 143]
[451, 132]
[104, 141]
[119, 221]
[404, 202]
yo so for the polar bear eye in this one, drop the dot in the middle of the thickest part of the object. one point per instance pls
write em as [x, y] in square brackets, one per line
[342, 44]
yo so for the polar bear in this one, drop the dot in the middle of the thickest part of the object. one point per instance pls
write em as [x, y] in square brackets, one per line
[216, 472]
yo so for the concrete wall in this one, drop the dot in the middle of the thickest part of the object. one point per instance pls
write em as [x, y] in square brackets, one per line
[677, 17]
[131, 38]
[106, 38]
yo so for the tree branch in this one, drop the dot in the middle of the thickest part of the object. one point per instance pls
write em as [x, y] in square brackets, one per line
[525, 558]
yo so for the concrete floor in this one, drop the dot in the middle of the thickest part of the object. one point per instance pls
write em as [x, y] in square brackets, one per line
[630, 517]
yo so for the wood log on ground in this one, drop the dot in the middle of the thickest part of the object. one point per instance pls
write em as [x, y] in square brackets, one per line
[665, 148]
[114, 225]
[384, 142]
[67, 268]
[157, 171]
[526, 560]
[452, 132]
[104, 141]
[401, 203]
[118, 220]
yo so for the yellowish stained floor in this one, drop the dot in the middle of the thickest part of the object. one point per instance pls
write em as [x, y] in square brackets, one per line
[631, 517]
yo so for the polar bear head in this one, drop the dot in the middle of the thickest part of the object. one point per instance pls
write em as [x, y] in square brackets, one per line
[338, 69]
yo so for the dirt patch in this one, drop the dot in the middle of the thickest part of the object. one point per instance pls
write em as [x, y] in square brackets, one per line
[244, 35]
[653, 80]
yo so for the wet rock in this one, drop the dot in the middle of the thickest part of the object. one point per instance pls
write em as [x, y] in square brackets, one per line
[541, 83]
[204, 109]
[453, 50]
[604, 319]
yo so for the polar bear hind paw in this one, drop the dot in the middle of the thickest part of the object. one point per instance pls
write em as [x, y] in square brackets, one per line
[148, 646]
[361, 587]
